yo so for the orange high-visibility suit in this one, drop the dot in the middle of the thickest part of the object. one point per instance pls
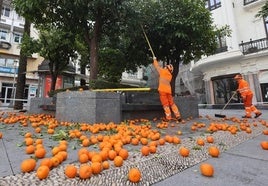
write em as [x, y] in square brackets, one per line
[164, 90]
[247, 95]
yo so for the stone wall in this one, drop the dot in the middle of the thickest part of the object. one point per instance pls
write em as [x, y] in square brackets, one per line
[104, 107]
[88, 106]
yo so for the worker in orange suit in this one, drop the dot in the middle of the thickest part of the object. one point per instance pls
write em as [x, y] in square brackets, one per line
[247, 95]
[164, 89]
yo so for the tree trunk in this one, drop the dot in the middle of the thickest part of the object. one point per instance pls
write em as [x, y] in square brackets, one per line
[94, 52]
[21, 80]
[174, 76]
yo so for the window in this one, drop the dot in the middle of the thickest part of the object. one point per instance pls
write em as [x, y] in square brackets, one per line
[10, 63]
[266, 25]
[246, 2]
[3, 35]
[222, 46]
[6, 11]
[2, 62]
[224, 87]
[213, 4]
[17, 38]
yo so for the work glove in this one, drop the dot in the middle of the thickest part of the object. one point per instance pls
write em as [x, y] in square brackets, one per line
[154, 58]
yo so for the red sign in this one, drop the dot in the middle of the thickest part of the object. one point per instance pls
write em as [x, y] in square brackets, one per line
[48, 82]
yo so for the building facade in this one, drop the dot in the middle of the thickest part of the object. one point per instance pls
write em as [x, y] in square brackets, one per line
[11, 32]
[245, 52]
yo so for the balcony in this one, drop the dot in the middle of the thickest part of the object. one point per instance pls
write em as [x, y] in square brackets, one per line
[253, 46]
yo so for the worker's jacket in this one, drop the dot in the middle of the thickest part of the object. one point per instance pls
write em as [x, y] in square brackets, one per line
[243, 88]
[164, 78]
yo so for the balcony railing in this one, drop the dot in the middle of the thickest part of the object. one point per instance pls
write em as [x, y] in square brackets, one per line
[253, 46]
[246, 2]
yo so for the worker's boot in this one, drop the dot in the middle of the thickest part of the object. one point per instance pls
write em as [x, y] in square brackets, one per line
[256, 111]
[176, 112]
[248, 112]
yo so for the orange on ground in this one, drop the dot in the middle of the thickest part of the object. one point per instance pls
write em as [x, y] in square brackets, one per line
[55, 161]
[134, 175]
[210, 139]
[96, 158]
[200, 142]
[264, 145]
[47, 162]
[206, 169]
[29, 149]
[96, 167]
[112, 154]
[70, 171]
[184, 152]
[105, 165]
[152, 149]
[145, 150]
[118, 161]
[42, 172]
[123, 153]
[83, 158]
[85, 171]
[40, 153]
[214, 151]
[27, 165]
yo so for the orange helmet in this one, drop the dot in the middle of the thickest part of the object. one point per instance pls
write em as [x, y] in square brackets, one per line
[170, 68]
[238, 76]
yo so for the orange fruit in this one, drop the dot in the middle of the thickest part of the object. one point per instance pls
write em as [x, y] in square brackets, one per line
[27, 165]
[83, 158]
[28, 141]
[47, 162]
[55, 150]
[112, 154]
[184, 152]
[85, 142]
[85, 171]
[105, 165]
[28, 135]
[134, 175]
[200, 142]
[82, 151]
[55, 161]
[38, 141]
[63, 147]
[176, 140]
[96, 167]
[42, 172]
[29, 149]
[37, 130]
[206, 169]
[64, 154]
[145, 150]
[96, 158]
[70, 171]
[123, 153]
[162, 141]
[40, 153]
[1, 135]
[210, 139]
[152, 149]
[214, 151]
[118, 161]
[264, 145]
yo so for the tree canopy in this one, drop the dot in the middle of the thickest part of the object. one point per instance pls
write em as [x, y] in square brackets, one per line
[179, 30]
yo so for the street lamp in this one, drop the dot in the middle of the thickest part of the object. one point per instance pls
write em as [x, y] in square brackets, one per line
[13, 86]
